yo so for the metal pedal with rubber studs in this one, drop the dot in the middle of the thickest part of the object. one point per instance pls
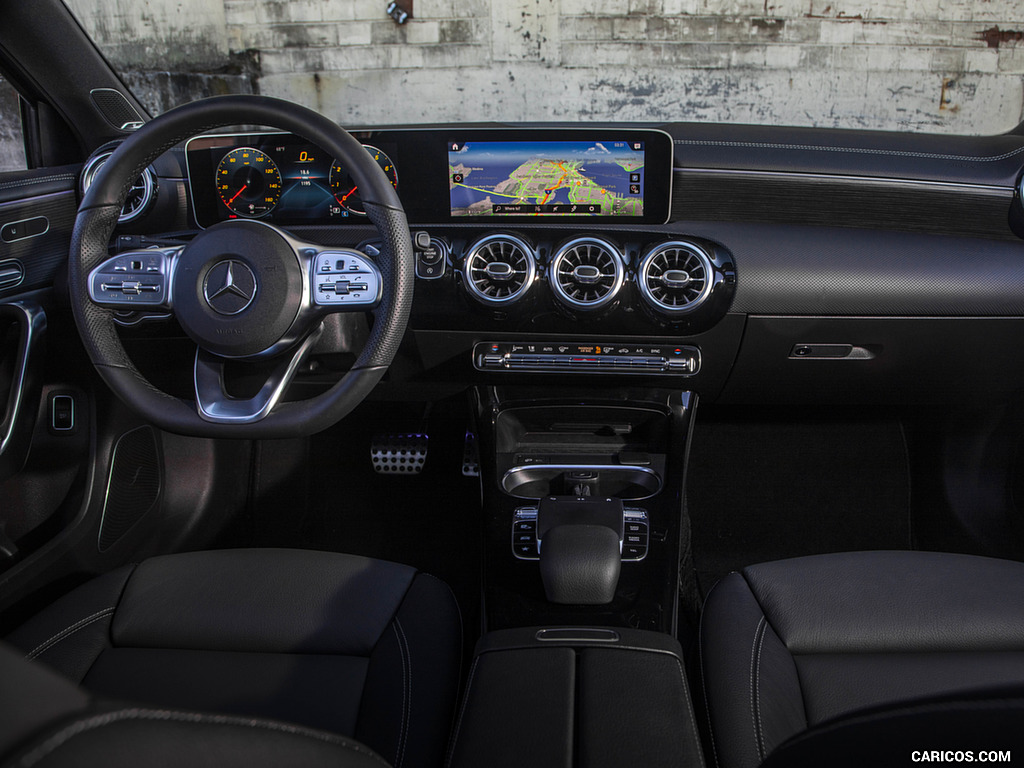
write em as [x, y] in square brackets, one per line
[399, 453]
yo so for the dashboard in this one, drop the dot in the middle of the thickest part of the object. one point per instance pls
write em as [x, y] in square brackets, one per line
[736, 261]
[562, 246]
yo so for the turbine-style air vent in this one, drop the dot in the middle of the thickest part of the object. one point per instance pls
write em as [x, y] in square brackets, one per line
[140, 196]
[499, 269]
[675, 278]
[586, 273]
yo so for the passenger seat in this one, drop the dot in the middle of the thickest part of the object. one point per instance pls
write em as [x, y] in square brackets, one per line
[863, 655]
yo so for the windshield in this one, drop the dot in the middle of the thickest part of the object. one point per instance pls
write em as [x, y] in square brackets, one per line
[938, 67]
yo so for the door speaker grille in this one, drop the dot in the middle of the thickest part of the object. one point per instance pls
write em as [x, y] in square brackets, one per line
[116, 109]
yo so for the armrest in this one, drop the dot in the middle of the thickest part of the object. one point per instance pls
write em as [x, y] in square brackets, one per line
[576, 696]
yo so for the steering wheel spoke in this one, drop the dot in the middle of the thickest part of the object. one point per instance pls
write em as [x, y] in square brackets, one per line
[215, 404]
[135, 279]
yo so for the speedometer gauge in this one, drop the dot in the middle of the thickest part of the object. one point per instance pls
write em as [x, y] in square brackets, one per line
[248, 182]
[344, 186]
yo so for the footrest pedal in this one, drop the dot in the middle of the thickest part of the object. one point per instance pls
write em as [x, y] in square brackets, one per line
[470, 456]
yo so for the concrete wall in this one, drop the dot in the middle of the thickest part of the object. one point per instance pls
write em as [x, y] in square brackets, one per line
[924, 65]
[949, 66]
[12, 148]
[153, 35]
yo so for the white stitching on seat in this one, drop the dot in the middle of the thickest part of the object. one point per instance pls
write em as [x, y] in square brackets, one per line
[689, 704]
[403, 737]
[703, 685]
[98, 721]
[458, 611]
[760, 722]
[462, 711]
[753, 707]
[68, 631]
[405, 692]
[451, 594]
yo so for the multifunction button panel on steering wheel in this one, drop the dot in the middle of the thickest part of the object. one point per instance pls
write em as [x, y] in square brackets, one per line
[136, 278]
[345, 277]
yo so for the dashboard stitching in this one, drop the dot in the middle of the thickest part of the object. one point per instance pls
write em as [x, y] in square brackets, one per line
[40, 180]
[851, 150]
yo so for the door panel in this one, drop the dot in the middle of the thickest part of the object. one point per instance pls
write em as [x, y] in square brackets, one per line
[37, 214]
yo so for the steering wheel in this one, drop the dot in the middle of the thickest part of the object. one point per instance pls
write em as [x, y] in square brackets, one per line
[242, 289]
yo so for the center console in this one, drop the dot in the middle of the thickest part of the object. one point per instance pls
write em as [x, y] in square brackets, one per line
[582, 492]
[582, 495]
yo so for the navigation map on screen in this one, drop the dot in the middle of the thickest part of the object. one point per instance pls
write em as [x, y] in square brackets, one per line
[546, 178]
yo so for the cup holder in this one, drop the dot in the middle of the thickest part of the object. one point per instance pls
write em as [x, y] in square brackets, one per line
[535, 481]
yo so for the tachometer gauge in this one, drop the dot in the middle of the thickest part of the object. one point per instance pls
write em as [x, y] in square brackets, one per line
[248, 182]
[344, 187]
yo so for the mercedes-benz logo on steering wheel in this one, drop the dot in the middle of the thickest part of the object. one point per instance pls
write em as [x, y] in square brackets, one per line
[230, 287]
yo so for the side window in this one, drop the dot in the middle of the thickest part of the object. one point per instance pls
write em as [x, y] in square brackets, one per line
[12, 142]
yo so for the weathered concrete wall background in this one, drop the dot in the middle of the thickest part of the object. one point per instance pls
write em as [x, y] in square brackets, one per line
[924, 65]
[12, 148]
[951, 66]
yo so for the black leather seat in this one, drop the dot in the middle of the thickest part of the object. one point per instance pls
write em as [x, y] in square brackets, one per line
[802, 644]
[347, 645]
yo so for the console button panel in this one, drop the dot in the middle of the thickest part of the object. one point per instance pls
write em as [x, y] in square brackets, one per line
[636, 534]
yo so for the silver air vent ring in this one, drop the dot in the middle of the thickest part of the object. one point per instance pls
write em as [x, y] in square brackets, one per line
[587, 273]
[140, 196]
[675, 277]
[499, 269]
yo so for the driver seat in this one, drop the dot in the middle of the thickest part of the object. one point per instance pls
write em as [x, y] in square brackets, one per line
[360, 648]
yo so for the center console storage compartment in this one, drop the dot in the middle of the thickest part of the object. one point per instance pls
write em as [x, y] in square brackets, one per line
[534, 481]
[607, 450]
[558, 697]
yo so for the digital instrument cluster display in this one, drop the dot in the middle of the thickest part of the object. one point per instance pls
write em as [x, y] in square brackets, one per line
[512, 175]
[496, 179]
[276, 177]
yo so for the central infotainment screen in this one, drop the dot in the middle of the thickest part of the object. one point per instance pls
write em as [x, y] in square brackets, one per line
[495, 179]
